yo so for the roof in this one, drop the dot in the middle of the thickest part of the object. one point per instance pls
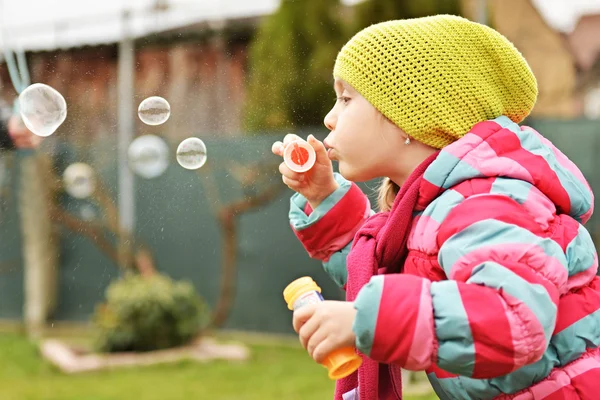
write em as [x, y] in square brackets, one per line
[48, 25]
[34, 25]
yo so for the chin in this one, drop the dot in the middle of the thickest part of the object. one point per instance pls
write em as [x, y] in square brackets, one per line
[354, 174]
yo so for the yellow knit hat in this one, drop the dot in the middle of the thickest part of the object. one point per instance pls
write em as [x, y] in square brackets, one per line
[436, 77]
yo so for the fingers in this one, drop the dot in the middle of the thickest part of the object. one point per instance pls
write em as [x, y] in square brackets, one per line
[302, 315]
[278, 148]
[311, 336]
[307, 334]
[322, 350]
[320, 150]
[288, 173]
[290, 137]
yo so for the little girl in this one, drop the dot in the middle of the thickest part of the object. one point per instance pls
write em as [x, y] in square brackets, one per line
[478, 269]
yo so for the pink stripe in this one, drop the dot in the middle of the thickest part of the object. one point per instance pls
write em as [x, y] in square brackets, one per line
[396, 321]
[485, 160]
[516, 331]
[463, 146]
[529, 342]
[562, 378]
[341, 241]
[586, 217]
[490, 329]
[557, 380]
[568, 165]
[540, 207]
[583, 277]
[423, 235]
[423, 345]
[562, 159]
[527, 253]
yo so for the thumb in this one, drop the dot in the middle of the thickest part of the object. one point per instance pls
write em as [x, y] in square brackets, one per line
[320, 150]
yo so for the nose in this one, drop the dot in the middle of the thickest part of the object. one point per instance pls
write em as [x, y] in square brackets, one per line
[330, 120]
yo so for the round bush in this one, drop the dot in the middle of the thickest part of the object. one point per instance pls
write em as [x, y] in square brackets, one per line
[148, 313]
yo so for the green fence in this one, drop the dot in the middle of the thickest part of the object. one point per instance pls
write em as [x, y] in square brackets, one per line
[175, 219]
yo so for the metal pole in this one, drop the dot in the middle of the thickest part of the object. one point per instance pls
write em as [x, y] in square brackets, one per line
[482, 11]
[126, 81]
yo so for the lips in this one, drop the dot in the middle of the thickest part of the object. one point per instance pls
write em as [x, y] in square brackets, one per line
[330, 150]
[330, 154]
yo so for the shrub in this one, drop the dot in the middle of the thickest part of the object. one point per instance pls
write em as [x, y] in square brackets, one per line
[148, 313]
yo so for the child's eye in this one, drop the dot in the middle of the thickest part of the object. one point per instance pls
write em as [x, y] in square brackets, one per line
[344, 99]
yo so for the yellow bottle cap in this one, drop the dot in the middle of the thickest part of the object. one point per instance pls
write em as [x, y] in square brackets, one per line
[297, 288]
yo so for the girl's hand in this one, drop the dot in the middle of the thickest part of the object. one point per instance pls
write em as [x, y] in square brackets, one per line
[324, 327]
[317, 183]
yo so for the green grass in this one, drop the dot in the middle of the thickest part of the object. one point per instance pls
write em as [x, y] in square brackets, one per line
[275, 371]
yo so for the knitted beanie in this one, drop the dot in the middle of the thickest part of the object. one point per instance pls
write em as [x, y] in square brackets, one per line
[436, 77]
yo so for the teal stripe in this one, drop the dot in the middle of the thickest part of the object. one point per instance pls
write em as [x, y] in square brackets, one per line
[490, 233]
[463, 387]
[367, 306]
[439, 209]
[461, 173]
[300, 220]
[336, 266]
[516, 189]
[579, 194]
[573, 341]
[534, 296]
[580, 252]
[440, 390]
[448, 170]
[565, 347]
[456, 352]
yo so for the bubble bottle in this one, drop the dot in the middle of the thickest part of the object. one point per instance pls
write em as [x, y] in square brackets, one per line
[299, 156]
[304, 291]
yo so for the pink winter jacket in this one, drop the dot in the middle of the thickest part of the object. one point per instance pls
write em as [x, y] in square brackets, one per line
[499, 297]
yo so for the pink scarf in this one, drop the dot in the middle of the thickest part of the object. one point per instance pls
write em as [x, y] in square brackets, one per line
[379, 247]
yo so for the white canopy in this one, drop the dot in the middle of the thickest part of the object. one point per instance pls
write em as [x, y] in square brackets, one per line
[48, 25]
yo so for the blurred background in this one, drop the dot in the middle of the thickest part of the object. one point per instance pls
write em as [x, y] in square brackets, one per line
[109, 249]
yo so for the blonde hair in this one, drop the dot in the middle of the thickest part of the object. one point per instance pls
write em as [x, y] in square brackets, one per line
[388, 190]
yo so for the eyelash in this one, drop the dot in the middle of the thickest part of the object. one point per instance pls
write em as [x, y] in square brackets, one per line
[344, 99]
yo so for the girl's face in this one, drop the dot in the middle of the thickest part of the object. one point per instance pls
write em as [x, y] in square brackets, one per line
[365, 143]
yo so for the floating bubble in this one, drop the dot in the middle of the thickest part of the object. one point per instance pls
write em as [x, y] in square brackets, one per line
[87, 212]
[191, 153]
[43, 109]
[154, 111]
[148, 156]
[79, 180]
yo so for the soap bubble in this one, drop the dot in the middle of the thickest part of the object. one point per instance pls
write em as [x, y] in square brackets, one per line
[191, 153]
[87, 212]
[154, 111]
[148, 156]
[43, 109]
[79, 180]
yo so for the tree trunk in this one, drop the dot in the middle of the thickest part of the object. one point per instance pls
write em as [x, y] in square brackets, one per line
[39, 244]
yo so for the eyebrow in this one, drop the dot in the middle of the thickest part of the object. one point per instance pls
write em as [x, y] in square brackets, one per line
[338, 85]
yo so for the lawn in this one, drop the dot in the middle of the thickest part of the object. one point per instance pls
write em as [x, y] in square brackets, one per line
[276, 371]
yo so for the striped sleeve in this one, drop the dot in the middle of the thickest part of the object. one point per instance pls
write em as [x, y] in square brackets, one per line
[495, 314]
[327, 231]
